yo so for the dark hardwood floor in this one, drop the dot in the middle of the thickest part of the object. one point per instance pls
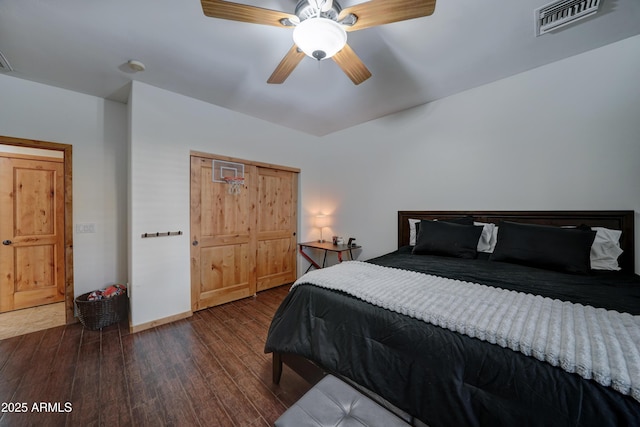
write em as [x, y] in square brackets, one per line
[208, 370]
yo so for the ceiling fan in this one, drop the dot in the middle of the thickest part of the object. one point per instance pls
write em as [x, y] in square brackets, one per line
[320, 26]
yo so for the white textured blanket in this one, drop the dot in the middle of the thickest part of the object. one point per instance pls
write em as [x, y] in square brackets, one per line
[595, 343]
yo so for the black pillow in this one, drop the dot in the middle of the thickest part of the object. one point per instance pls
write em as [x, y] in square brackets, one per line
[465, 220]
[447, 239]
[551, 248]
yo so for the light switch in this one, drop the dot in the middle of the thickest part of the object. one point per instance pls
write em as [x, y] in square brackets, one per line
[88, 227]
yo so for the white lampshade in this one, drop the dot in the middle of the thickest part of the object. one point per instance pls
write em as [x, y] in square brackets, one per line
[319, 38]
[321, 221]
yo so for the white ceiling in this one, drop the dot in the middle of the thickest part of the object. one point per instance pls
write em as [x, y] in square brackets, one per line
[83, 45]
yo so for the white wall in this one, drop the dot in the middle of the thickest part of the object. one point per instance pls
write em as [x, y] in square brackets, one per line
[563, 136]
[165, 127]
[97, 129]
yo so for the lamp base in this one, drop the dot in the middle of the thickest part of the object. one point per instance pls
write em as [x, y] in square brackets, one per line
[321, 240]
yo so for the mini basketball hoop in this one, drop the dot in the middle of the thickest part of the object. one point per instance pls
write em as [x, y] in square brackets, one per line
[235, 184]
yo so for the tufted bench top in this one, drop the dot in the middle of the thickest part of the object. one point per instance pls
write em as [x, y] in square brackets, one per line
[333, 403]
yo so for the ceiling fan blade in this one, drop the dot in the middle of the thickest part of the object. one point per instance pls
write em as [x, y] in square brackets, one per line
[244, 13]
[286, 66]
[352, 66]
[380, 12]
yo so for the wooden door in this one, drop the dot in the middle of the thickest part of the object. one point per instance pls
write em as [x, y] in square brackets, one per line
[32, 232]
[223, 245]
[277, 224]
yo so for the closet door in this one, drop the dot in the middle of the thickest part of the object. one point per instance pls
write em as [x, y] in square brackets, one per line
[222, 237]
[276, 229]
[240, 243]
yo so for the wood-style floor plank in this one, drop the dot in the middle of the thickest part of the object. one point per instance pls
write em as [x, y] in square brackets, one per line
[207, 370]
[206, 405]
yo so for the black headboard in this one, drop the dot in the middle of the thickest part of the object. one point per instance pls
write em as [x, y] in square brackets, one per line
[619, 220]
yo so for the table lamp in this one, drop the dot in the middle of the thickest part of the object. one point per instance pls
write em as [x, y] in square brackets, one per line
[321, 221]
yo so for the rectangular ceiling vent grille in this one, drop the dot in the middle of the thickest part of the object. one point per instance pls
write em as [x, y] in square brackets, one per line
[560, 13]
[5, 67]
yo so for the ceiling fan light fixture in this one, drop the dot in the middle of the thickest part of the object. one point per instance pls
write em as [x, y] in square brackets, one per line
[319, 38]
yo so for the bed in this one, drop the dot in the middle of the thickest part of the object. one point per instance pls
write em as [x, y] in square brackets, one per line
[444, 372]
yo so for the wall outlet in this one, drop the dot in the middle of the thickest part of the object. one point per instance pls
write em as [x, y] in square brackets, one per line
[88, 227]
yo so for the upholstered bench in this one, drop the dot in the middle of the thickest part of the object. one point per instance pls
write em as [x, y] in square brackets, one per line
[332, 402]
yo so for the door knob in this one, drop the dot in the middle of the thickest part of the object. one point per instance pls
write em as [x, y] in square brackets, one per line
[7, 242]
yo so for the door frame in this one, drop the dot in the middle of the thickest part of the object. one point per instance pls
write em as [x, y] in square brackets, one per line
[68, 213]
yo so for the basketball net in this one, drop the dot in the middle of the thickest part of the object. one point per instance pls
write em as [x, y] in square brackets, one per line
[235, 184]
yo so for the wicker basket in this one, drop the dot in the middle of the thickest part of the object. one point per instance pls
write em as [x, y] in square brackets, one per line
[97, 314]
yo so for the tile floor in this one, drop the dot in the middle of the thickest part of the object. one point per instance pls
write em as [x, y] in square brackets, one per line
[29, 320]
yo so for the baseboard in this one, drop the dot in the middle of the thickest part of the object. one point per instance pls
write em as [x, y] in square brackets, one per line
[144, 326]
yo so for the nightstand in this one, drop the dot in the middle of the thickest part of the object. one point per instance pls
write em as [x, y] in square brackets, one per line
[326, 247]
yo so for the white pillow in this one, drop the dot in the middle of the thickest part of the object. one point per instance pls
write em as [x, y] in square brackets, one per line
[412, 231]
[605, 249]
[488, 237]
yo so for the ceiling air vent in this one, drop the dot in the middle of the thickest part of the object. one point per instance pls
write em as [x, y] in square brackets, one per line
[5, 67]
[560, 13]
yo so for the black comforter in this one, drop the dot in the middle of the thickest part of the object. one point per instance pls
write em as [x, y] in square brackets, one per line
[447, 379]
[607, 289]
